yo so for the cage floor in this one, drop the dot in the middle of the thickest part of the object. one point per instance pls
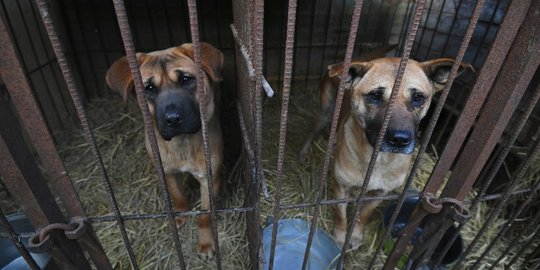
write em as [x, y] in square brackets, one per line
[120, 136]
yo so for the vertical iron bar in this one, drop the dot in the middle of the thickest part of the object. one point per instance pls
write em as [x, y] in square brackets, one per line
[333, 127]
[22, 176]
[32, 119]
[452, 27]
[494, 214]
[435, 29]
[257, 52]
[50, 60]
[203, 100]
[35, 54]
[397, 83]
[501, 46]
[522, 250]
[484, 36]
[17, 242]
[514, 242]
[431, 126]
[419, 44]
[287, 74]
[498, 163]
[74, 92]
[518, 69]
[125, 31]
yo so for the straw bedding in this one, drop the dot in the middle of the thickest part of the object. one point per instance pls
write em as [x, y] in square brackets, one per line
[120, 138]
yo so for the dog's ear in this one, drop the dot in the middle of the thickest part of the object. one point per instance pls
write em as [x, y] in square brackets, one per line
[356, 69]
[211, 59]
[438, 70]
[119, 77]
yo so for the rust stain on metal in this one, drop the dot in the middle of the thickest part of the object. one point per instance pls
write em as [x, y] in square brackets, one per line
[287, 76]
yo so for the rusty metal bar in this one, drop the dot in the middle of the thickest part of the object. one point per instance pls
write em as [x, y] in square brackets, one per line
[401, 70]
[518, 69]
[287, 76]
[22, 178]
[494, 214]
[17, 242]
[498, 163]
[532, 256]
[203, 101]
[333, 127]
[247, 144]
[127, 39]
[108, 218]
[258, 34]
[74, 92]
[534, 224]
[522, 250]
[494, 62]
[32, 119]
[509, 28]
[431, 126]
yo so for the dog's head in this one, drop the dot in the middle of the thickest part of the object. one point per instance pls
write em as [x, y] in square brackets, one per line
[371, 85]
[169, 78]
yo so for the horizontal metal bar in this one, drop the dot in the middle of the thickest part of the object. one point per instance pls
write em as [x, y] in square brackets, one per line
[110, 218]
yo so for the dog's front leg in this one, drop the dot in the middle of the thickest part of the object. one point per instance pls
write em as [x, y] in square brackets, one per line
[181, 203]
[205, 244]
[340, 215]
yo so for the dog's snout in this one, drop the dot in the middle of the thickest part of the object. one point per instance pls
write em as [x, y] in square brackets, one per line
[399, 138]
[173, 118]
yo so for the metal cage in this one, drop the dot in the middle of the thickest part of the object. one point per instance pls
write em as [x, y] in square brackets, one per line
[53, 56]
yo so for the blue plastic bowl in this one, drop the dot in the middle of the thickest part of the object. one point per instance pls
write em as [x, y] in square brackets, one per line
[291, 242]
[10, 259]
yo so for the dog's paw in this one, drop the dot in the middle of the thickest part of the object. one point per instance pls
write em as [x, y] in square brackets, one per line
[205, 251]
[354, 243]
[180, 221]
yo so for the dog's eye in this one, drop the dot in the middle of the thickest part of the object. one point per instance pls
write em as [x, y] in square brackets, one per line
[185, 80]
[418, 99]
[150, 88]
[375, 96]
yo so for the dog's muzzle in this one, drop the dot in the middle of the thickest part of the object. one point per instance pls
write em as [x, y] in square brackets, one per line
[399, 141]
[176, 113]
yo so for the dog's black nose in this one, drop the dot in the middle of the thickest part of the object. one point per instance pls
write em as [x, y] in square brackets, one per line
[173, 118]
[399, 138]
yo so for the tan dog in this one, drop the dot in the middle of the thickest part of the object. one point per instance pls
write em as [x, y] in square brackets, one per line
[170, 82]
[366, 99]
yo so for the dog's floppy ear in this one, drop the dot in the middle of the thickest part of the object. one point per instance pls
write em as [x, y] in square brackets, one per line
[119, 77]
[438, 70]
[356, 69]
[211, 59]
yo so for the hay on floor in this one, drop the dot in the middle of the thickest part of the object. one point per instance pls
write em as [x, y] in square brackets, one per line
[120, 137]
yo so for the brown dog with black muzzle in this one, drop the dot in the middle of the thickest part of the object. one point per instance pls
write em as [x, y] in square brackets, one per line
[169, 77]
[365, 102]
